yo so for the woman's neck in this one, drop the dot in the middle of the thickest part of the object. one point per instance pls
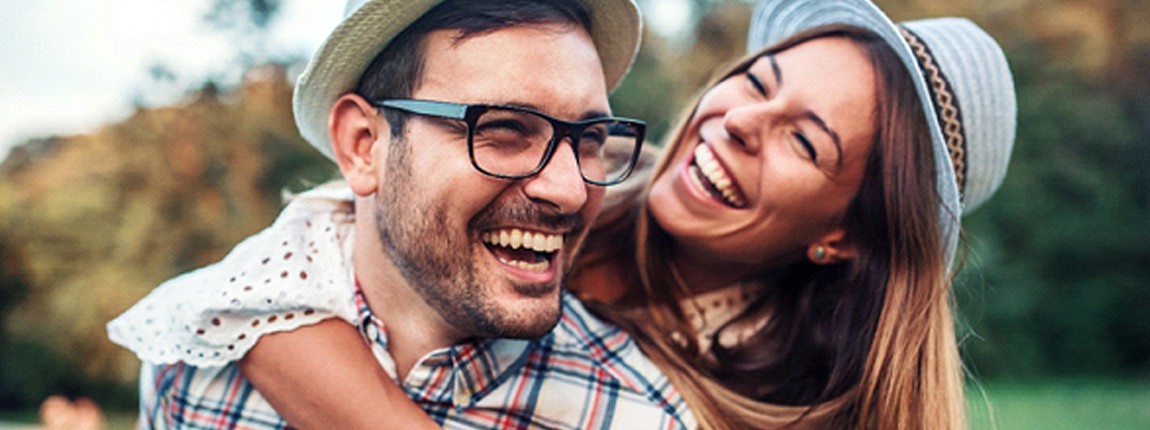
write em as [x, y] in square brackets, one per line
[605, 281]
[700, 272]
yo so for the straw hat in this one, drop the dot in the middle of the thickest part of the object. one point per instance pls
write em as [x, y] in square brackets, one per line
[369, 25]
[962, 80]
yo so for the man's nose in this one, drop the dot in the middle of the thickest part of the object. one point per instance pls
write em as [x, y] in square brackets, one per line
[560, 182]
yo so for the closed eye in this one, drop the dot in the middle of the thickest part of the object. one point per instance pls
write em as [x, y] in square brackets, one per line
[807, 146]
[592, 139]
[758, 84]
[504, 124]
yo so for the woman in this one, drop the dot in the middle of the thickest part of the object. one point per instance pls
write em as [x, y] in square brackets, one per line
[790, 258]
[820, 301]
[831, 281]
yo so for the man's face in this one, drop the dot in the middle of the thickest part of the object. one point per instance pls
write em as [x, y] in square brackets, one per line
[447, 226]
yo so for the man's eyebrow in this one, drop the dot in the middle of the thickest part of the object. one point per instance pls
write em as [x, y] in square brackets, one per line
[591, 114]
[595, 114]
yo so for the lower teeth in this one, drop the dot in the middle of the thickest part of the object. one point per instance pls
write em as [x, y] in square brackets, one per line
[534, 267]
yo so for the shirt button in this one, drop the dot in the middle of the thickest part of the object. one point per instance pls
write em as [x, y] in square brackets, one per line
[463, 398]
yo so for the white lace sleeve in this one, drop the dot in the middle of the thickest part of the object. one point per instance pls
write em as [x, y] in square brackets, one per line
[294, 273]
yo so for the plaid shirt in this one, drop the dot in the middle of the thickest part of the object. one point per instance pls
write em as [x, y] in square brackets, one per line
[583, 375]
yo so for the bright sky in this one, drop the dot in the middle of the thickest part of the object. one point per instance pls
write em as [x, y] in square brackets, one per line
[71, 65]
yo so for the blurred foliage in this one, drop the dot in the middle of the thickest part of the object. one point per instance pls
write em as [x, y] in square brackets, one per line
[98, 220]
[243, 15]
[1053, 282]
[666, 77]
[1058, 260]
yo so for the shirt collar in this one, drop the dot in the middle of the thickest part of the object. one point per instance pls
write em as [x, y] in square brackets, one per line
[461, 374]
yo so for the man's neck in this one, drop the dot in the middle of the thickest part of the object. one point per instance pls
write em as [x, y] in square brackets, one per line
[414, 329]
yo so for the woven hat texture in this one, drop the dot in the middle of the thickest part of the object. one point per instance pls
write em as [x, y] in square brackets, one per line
[369, 25]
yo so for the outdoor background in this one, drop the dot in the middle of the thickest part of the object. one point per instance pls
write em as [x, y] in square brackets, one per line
[1053, 297]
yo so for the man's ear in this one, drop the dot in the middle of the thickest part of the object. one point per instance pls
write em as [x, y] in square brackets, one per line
[355, 134]
[832, 248]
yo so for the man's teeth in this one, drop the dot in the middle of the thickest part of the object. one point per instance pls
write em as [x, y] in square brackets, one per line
[534, 267]
[515, 238]
[715, 174]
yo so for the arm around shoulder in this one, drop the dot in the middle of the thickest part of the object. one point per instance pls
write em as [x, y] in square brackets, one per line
[325, 376]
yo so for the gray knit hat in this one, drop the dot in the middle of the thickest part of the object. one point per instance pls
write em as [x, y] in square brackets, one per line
[962, 80]
[369, 25]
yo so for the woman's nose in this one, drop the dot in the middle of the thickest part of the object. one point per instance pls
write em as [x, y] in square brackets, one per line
[743, 124]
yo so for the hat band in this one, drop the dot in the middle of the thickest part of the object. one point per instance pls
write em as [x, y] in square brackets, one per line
[945, 106]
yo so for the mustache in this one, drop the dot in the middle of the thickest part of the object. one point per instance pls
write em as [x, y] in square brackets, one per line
[526, 214]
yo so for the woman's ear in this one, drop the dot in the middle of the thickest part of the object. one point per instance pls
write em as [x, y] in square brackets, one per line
[832, 248]
[355, 132]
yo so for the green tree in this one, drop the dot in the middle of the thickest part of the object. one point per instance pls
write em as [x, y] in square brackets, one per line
[1061, 255]
[13, 289]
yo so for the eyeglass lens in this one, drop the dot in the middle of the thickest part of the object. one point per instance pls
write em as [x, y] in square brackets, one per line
[514, 143]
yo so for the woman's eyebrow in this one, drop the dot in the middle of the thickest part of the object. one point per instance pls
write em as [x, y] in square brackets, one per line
[775, 68]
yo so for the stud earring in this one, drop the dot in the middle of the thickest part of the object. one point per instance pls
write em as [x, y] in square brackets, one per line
[820, 253]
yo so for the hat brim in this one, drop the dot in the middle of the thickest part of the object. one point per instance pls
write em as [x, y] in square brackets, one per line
[353, 44]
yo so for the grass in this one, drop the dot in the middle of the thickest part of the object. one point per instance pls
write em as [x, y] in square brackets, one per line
[121, 421]
[1061, 404]
[115, 420]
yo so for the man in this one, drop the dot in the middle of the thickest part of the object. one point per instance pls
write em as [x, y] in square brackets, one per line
[473, 136]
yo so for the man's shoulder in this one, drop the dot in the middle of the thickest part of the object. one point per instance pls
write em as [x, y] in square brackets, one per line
[594, 370]
[582, 336]
[579, 328]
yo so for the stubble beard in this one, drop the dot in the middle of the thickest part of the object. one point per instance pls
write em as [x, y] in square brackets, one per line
[441, 266]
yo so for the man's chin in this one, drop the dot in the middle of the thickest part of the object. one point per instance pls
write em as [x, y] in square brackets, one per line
[531, 330]
[534, 320]
[527, 295]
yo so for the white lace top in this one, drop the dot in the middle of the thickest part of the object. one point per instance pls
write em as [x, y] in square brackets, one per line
[294, 273]
[709, 311]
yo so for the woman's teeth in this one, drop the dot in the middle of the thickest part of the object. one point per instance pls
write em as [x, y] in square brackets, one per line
[716, 177]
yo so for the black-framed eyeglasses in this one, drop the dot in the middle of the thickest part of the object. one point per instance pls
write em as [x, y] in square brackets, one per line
[512, 142]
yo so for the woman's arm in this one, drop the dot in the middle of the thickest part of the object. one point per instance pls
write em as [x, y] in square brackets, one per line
[324, 376]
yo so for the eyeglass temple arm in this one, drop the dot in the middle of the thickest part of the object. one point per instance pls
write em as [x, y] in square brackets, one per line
[427, 107]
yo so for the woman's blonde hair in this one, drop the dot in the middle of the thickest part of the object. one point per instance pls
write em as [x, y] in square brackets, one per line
[869, 343]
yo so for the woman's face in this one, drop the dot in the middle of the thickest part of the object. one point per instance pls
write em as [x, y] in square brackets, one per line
[772, 158]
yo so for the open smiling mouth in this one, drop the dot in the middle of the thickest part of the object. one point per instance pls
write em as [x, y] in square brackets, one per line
[711, 176]
[531, 251]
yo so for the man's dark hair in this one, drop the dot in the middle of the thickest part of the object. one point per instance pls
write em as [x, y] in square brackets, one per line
[397, 70]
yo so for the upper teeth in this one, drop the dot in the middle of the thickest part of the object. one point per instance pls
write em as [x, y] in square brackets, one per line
[714, 172]
[515, 238]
